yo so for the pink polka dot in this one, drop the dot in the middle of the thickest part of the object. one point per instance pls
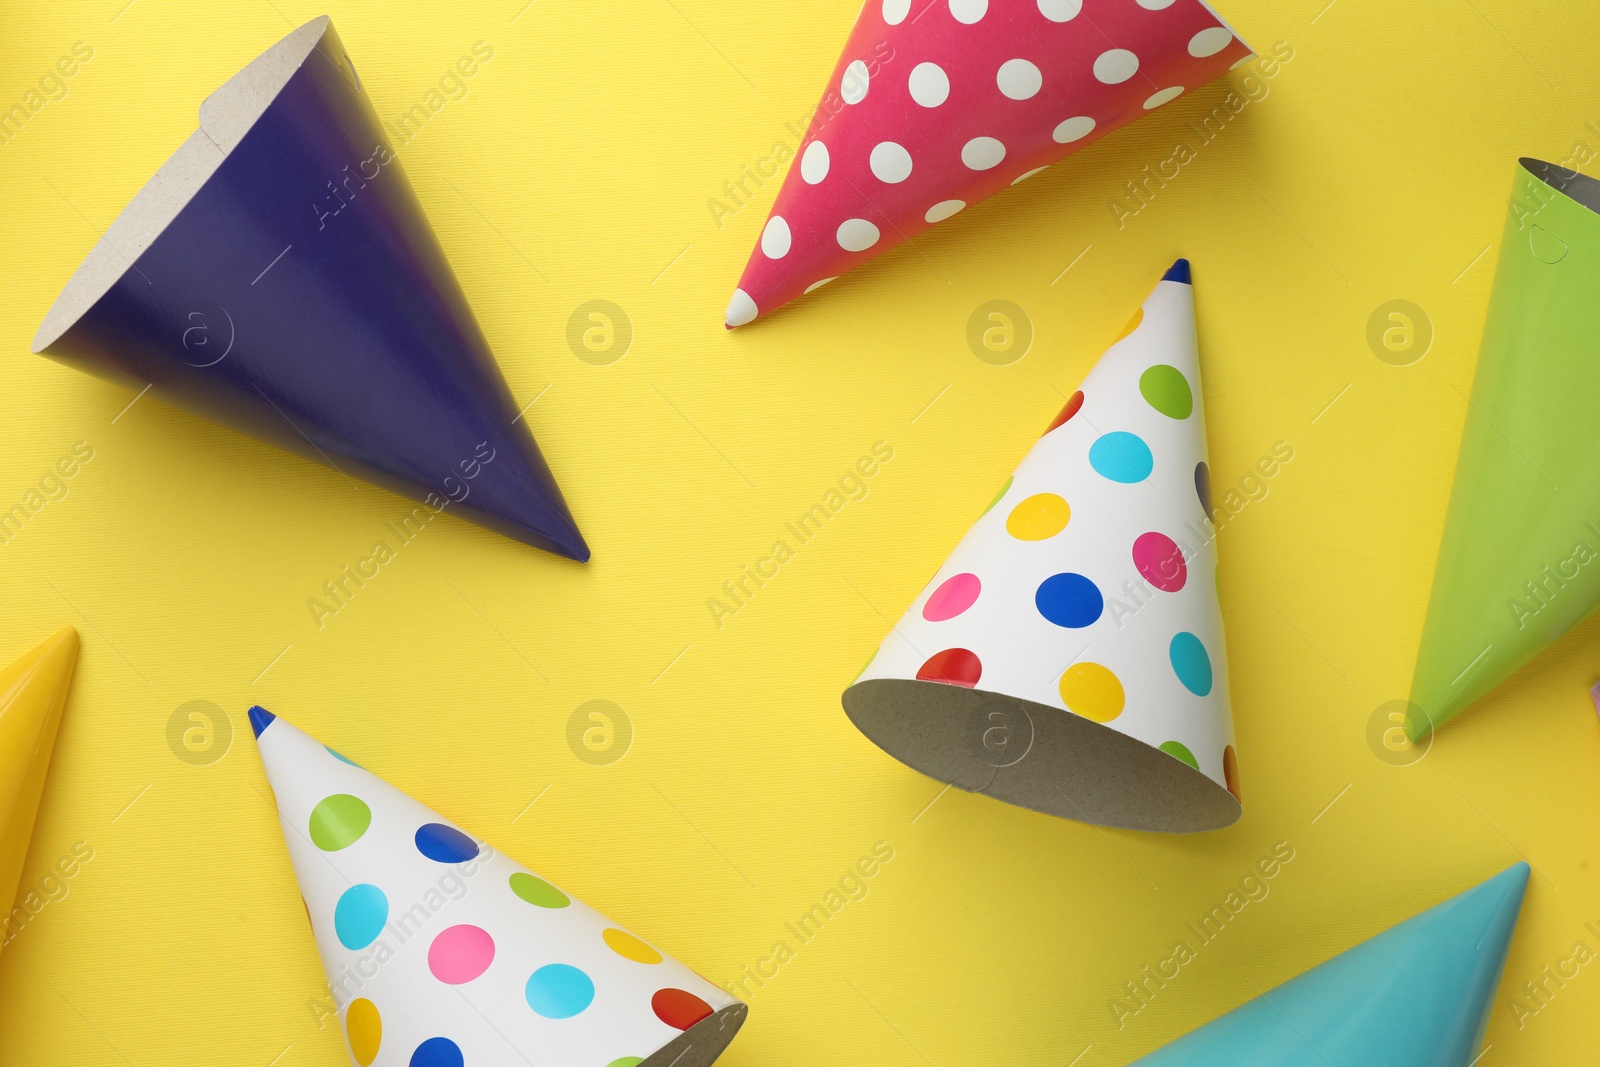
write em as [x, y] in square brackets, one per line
[954, 595]
[1160, 561]
[460, 954]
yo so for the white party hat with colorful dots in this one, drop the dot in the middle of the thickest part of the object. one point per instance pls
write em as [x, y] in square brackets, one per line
[441, 952]
[1069, 655]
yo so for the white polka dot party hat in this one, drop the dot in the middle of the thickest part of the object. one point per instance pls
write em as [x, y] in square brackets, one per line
[1069, 655]
[441, 952]
[935, 105]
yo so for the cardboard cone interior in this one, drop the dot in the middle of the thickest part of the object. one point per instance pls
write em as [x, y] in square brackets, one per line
[1519, 561]
[277, 275]
[1416, 995]
[1069, 655]
[33, 693]
[441, 951]
[935, 105]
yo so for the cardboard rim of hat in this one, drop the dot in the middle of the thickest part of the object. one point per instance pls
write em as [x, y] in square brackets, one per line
[1063, 764]
[703, 1043]
[225, 117]
[1575, 185]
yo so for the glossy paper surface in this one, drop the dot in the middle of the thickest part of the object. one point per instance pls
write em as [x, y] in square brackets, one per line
[1417, 995]
[936, 104]
[1519, 562]
[301, 297]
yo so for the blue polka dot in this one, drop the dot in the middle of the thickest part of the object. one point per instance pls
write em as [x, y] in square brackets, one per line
[438, 1052]
[445, 844]
[1122, 457]
[341, 758]
[558, 991]
[359, 916]
[1069, 600]
[1191, 663]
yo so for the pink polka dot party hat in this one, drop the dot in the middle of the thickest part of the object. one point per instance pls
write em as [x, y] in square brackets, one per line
[1069, 655]
[441, 952]
[935, 105]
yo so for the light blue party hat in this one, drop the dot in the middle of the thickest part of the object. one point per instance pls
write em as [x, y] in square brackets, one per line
[1417, 995]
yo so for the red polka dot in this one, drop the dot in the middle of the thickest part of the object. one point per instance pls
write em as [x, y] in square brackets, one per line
[679, 1008]
[1073, 404]
[1160, 561]
[953, 666]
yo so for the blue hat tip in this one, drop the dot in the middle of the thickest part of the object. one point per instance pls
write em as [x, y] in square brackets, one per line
[1178, 272]
[1510, 883]
[260, 719]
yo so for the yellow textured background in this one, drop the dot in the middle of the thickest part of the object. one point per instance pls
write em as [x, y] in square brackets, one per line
[1376, 168]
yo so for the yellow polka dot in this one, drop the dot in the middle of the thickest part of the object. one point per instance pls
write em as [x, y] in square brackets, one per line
[365, 1030]
[1133, 324]
[1041, 515]
[1092, 691]
[630, 948]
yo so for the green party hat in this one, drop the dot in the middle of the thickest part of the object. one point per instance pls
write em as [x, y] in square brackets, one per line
[1519, 564]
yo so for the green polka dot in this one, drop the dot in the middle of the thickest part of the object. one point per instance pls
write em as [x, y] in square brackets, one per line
[1177, 751]
[870, 660]
[339, 821]
[627, 1061]
[1167, 390]
[1004, 489]
[537, 891]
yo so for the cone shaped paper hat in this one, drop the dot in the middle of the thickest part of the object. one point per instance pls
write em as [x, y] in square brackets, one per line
[936, 104]
[33, 692]
[277, 275]
[1519, 563]
[1417, 995]
[441, 952]
[1069, 655]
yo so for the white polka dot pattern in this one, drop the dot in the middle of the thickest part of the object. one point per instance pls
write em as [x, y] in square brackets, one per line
[938, 104]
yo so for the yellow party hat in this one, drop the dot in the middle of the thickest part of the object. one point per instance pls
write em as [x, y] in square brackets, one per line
[33, 691]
